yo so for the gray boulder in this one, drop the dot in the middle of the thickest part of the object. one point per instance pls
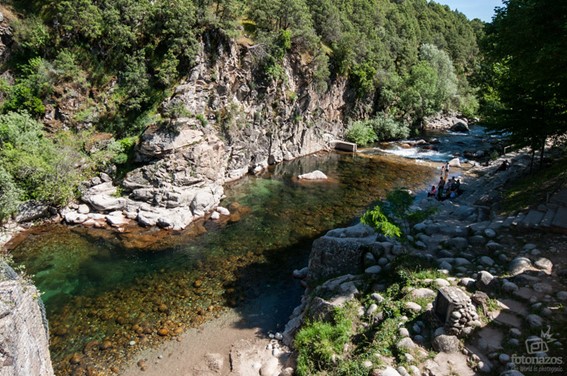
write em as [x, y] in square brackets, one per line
[520, 265]
[460, 126]
[203, 201]
[157, 141]
[32, 210]
[486, 281]
[25, 337]
[446, 343]
[339, 252]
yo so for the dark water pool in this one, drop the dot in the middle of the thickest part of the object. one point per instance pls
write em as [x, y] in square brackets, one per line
[107, 294]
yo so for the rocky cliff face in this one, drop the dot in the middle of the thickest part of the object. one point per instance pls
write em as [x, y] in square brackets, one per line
[227, 123]
[260, 123]
[24, 339]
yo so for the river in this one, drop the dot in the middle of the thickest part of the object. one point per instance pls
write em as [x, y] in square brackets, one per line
[108, 293]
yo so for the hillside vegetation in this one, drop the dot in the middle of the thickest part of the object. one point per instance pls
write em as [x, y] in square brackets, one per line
[79, 67]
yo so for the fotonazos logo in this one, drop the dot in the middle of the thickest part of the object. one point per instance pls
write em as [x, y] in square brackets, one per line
[537, 359]
[536, 345]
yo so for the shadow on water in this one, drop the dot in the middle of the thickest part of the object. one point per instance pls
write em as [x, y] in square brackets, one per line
[105, 289]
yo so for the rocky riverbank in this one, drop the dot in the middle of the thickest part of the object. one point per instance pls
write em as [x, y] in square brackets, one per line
[25, 333]
[466, 295]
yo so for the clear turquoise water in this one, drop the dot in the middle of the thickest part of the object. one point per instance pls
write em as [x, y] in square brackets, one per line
[101, 286]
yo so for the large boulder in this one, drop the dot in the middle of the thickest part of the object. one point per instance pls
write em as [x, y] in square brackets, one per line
[24, 338]
[32, 210]
[103, 197]
[340, 252]
[460, 126]
[158, 141]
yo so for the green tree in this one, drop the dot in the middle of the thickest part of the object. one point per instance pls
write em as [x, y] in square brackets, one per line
[10, 195]
[39, 169]
[525, 86]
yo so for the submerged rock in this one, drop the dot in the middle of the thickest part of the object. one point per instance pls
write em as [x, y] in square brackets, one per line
[315, 175]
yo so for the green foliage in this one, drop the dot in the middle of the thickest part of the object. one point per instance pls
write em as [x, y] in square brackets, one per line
[388, 128]
[524, 78]
[21, 97]
[361, 133]
[39, 168]
[67, 68]
[399, 202]
[380, 222]
[202, 119]
[363, 76]
[121, 150]
[135, 83]
[31, 35]
[321, 344]
[395, 214]
[10, 195]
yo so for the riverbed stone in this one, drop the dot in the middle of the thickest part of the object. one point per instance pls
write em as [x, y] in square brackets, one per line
[477, 240]
[487, 261]
[562, 295]
[509, 287]
[377, 297]
[519, 265]
[445, 265]
[74, 218]
[457, 243]
[406, 344]
[423, 292]
[490, 233]
[544, 264]
[83, 209]
[375, 269]
[117, 219]
[494, 246]
[388, 371]
[412, 306]
[486, 281]
[203, 201]
[534, 321]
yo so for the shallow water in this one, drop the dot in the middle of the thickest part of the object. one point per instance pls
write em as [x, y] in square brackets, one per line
[108, 294]
[445, 145]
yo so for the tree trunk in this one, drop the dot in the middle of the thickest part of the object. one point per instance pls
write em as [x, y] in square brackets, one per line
[542, 151]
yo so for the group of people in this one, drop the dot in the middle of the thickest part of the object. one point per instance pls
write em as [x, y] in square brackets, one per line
[446, 188]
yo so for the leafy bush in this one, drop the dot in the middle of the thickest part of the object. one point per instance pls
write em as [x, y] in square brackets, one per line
[363, 77]
[380, 222]
[387, 128]
[39, 168]
[21, 98]
[31, 34]
[9, 195]
[361, 133]
[468, 106]
[321, 344]
[66, 67]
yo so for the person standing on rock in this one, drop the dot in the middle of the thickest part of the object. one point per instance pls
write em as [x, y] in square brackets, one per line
[445, 171]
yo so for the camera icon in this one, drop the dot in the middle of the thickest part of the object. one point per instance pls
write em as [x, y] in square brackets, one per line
[536, 345]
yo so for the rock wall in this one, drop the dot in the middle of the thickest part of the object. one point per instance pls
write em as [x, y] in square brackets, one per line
[24, 338]
[225, 120]
[261, 122]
